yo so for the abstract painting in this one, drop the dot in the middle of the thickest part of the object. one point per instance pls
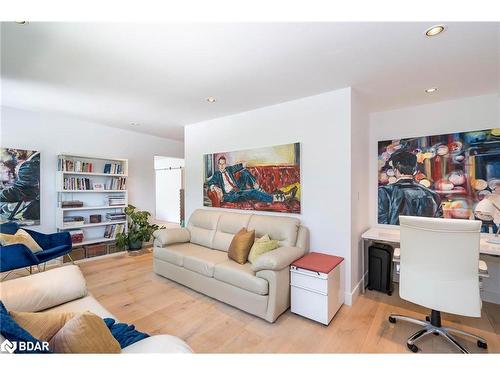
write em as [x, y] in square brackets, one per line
[20, 186]
[262, 179]
[442, 176]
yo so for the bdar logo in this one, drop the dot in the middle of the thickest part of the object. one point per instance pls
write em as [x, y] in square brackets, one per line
[8, 346]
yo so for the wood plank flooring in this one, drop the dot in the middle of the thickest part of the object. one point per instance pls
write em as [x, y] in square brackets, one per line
[127, 287]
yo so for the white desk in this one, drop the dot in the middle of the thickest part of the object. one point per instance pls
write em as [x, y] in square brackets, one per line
[392, 236]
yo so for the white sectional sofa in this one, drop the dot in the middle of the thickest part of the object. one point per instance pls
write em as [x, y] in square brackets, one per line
[196, 257]
[64, 289]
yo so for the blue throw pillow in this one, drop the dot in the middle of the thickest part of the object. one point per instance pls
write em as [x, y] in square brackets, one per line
[20, 339]
[123, 333]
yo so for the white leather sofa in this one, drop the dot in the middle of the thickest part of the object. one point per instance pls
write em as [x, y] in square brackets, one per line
[64, 289]
[196, 257]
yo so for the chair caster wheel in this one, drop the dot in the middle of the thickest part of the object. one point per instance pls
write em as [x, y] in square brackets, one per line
[412, 347]
[393, 320]
[435, 333]
[369, 288]
[428, 318]
[389, 293]
[482, 344]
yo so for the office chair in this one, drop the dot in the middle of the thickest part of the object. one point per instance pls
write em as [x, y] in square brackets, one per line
[439, 270]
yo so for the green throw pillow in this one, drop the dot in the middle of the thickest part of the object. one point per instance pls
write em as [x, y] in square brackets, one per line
[261, 246]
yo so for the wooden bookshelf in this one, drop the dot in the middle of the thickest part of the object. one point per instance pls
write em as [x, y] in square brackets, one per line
[84, 171]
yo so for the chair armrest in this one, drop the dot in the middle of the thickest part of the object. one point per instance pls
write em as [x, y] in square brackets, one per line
[278, 259]
[16, 256]
[48, 241]
[164, 237]
[43, 290]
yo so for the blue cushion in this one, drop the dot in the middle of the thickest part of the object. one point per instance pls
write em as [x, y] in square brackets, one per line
[123, 333]
[24, 341]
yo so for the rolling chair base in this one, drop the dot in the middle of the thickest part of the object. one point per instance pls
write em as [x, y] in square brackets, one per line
[432, 324]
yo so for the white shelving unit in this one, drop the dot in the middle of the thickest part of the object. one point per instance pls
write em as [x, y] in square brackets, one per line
[94, 201]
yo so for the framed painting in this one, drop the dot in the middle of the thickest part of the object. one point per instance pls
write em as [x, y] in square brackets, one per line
[443, 176]
[20, 186]
[262, 179]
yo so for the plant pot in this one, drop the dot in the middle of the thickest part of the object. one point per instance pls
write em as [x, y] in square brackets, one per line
[136, 245]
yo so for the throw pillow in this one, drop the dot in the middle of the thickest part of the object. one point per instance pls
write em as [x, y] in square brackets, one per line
[21, 237]
[261, 246]
[84, 333]
[13, 332]
[42, 325]
[240, 245]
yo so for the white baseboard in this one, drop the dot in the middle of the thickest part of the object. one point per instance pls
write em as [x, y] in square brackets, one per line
[351, 297]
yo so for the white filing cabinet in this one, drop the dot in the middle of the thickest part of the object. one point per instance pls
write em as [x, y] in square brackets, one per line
[317, 295]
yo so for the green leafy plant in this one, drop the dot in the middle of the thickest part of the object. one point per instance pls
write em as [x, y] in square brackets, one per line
[139, 229]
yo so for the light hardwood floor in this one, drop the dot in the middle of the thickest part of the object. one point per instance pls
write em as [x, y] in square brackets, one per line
[127, 287]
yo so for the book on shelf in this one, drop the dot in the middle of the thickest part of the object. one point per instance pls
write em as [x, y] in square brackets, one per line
[77, 183]
[116, 199]
[113, 229]
[73, 221]
[115, 216]
[113, 168]
[76, 235]
[71, 165]
[71, 204]
[116, 183]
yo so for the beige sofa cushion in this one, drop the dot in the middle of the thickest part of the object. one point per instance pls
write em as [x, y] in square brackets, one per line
[242, 276]
[229, 224]
[175, 253]
[164, 237]
[88, 303]
[43, 290]
[202, 226]
[203, 261]
[280, 228]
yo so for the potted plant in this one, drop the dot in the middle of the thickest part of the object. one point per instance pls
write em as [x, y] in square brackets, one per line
[139, 229]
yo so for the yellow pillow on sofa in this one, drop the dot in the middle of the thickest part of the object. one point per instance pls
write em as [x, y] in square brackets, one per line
[21, 237]
[42, 325]
[240, 245]
[261, 246]
[84, 333]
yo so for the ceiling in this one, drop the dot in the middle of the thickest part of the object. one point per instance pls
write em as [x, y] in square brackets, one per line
[159, 75]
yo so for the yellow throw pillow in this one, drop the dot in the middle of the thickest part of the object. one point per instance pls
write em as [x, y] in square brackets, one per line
[21, 237]
[42, 325]
[240, 245]
[84, 333]
[261, 246]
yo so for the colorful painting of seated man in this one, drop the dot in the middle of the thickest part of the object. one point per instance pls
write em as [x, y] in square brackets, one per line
[264, 179]
[440, 176]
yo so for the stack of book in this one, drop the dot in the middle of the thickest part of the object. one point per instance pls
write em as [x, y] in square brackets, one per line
[113, 168]
[73, 221]
[115, 216]
[117, 183]
[112, 230]
[68, 165]
[116, 200]
[76, 183]
[76, 236]
[71, 204]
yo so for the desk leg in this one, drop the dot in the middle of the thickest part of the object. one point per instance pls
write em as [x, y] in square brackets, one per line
[363, 271]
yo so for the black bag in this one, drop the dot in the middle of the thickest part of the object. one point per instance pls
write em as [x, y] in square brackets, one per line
[380, 268]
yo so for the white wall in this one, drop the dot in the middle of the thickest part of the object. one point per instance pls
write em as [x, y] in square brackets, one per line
[53, 134]
[360, 122]
[471, 113]
[322, 124]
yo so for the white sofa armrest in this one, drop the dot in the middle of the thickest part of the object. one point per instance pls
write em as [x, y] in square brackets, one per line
[164, 237]
[43, 290]
[278, 259]
[158, 344]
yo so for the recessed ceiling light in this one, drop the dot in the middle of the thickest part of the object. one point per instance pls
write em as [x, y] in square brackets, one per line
[435, 30]
[21, 22]
[134, 124]
[211, 99]
[431, 90]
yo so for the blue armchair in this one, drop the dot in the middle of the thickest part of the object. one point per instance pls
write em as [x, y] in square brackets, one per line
[19, 256]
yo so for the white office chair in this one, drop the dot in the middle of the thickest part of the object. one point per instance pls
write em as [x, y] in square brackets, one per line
[439, 270]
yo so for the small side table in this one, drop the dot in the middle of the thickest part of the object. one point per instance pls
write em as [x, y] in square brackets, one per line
[317, 286]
